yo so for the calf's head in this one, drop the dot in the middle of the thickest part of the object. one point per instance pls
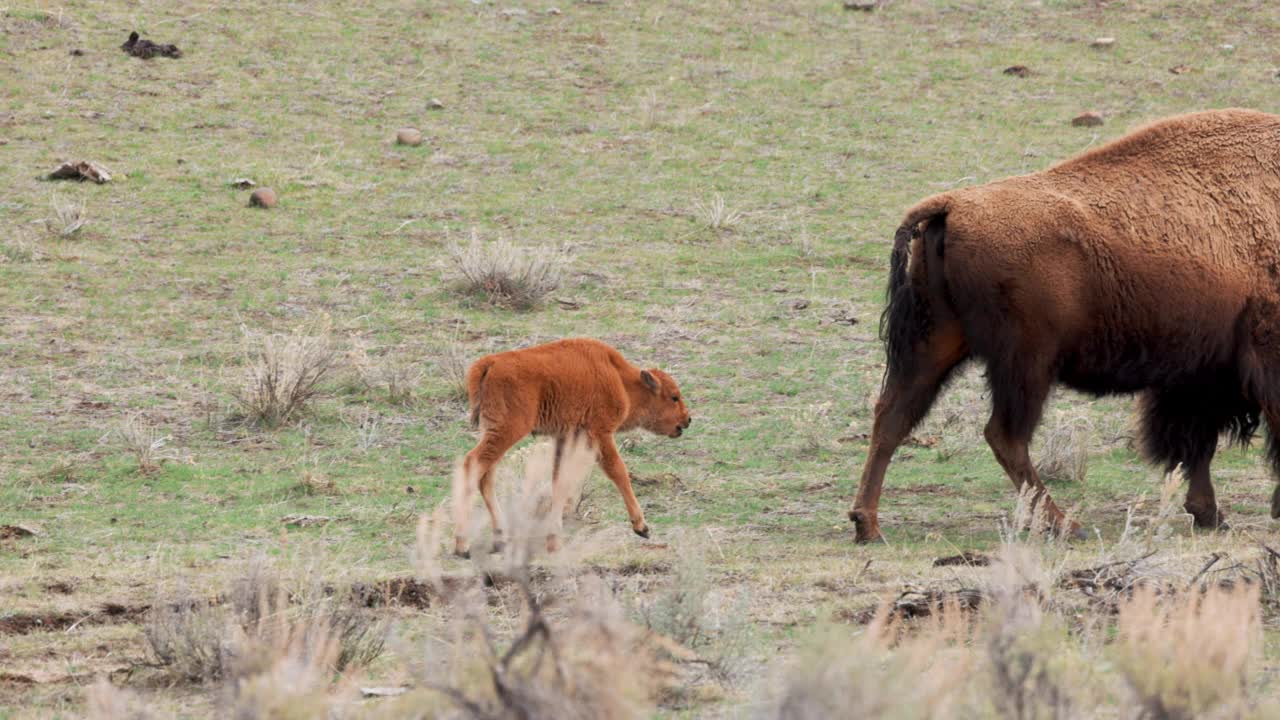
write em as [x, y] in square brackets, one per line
[661, 409]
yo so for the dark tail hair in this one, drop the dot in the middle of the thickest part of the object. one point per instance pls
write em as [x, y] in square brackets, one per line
[906, 319]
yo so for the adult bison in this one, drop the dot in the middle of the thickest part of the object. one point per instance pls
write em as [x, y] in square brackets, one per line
[1148, 265]
[563, 389]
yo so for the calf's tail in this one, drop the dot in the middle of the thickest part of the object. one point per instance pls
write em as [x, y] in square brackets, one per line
[475, 387]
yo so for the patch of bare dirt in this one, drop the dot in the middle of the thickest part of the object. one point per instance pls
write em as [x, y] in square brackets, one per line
[105, 614]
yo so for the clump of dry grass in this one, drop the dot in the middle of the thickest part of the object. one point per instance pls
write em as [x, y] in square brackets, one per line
[397, 378]
[715, 214]
[452, 361]
[104, 701]
[876, 675]
[145, 443]
[811, 424]
[262, 625]
[1191, 655]
[507, 274]
[67, 219]
[1064, 447]
[283, 372]
[19, 247]
[691, 611]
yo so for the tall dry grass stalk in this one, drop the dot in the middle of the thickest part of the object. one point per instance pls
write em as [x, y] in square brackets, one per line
[68, 217]
[510, 275]
[1063, 452]
[283, 372]
[397, 378]
[716, 214]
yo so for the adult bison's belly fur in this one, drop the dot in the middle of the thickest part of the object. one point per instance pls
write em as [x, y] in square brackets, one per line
[1150, 265]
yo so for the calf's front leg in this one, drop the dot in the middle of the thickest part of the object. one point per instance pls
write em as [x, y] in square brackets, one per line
[612, 465]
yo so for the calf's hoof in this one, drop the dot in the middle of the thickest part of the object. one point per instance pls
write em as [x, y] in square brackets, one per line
[464, 554]
[866, 527]
[553, 543]
[642, 531]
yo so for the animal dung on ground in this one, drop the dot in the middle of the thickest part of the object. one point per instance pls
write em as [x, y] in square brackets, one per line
[263, 198]
[408, 136]
[1018, 71]
[1103, 42]
[242, 183]
[435, 104]
[1180, 69]
[860, 6]
[145, 49]
[383, 691]
[1093, 118]
[81, 170]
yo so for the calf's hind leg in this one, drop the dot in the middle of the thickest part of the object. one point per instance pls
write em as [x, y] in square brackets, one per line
[478, 467]
[904, 400]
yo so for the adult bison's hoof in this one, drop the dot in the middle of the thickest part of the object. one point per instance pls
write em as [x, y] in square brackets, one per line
[1213, 520]
[1275, 504]
[642, 532]
[866, 527]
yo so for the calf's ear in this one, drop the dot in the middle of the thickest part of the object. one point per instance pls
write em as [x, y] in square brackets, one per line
[649, 380]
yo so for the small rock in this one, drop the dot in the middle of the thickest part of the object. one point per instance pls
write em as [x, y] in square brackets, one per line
[513, 12]
[77, 52]
[81, 170]
[799, 304]
[435, 104]
[553, 11]
[860, 6]
[263, 198]
[1103, 42]
[408, 136]
[1180, 69]
[409, 489]
[1093, 118]
[1018, 71]
[569, 303]
[243, 183]
[1228, 47]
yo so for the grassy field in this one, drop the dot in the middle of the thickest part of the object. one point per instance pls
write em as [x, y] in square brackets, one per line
[608, 131]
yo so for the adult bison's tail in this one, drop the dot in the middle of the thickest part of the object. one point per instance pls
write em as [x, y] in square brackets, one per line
[907, 318]
[475, 387]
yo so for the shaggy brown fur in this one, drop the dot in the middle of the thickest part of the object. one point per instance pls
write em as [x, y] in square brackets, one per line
[1148, 265]
[561, 389]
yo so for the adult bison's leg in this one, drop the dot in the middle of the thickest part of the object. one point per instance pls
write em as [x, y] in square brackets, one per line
[904, 400]
[1018, 395]
[612, 465]
[1181, 427]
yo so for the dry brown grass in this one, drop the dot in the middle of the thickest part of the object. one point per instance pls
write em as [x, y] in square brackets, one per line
[507, 274]
[1063, 446]
[146, 443]
[283, 372]
[394, 377]
[260, 626]
[67, 217]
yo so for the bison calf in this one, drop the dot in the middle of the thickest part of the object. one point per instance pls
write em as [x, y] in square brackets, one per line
[562, 389]
[1149, 265]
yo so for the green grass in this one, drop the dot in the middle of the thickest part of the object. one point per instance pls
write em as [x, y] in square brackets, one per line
[602, 128]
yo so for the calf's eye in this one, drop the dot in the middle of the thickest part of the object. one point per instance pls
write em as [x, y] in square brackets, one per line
[675, 398]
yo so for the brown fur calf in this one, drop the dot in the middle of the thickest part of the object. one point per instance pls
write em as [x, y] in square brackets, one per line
[1149, 265]
[562, 389]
